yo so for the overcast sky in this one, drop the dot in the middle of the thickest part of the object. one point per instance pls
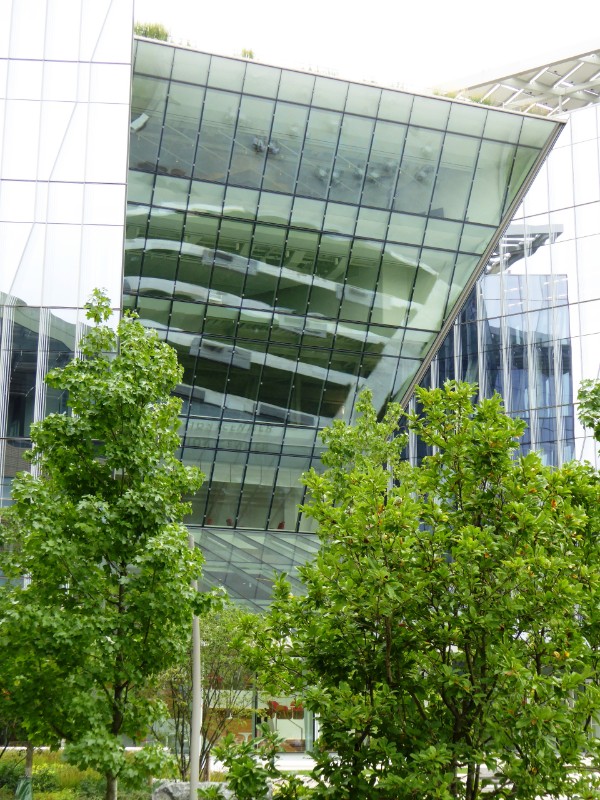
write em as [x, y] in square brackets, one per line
[411, 43]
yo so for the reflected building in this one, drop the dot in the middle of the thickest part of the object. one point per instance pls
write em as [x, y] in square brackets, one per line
[295, 238]
[531, 327]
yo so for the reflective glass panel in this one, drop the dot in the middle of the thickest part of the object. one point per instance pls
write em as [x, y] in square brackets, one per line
[190, 66]
[252, 141]
[225, 73]
[215, 139]
[180, 129]
[349, 169]
[261, 80]
[284, 147]
[319, 150]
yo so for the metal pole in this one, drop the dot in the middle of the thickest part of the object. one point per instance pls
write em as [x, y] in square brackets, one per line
[196, 723]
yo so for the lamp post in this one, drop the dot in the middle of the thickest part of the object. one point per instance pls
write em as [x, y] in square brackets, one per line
[196, 723]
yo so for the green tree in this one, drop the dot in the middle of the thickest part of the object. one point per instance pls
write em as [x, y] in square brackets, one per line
[442, 638]
[583, 481]
[589, 405]
[227, 686]
[96, 528]
[151, 30]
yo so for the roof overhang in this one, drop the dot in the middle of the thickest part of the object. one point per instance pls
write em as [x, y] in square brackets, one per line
[559, 84]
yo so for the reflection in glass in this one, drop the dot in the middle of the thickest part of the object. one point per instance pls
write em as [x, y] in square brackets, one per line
[311, 221]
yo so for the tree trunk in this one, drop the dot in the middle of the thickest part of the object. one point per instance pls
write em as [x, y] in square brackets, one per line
[111, 787]
[205, 764]
[29, 761]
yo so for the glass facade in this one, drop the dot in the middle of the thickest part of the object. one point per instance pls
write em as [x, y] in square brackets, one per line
[531, 328]
[65, 83]
[297, 238]
[294, 237]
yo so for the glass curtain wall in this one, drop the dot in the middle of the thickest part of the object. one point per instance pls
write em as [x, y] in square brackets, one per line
[65, 83]
[297, 238]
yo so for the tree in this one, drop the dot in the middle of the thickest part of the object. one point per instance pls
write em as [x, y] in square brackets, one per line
[151, 30]
[445, 638]
[589, 405]
[227, 686]
[97, 529]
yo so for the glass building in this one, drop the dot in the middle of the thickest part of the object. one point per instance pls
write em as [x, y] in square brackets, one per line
[295, 238]
[65, 85]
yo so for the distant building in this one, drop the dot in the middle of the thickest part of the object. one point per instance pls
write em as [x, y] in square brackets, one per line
[531, 327]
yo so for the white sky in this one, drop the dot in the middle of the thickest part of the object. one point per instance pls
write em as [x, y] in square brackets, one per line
[411, 43]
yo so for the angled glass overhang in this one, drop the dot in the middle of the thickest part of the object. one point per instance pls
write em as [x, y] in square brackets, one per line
[297, 238]
[315, 215]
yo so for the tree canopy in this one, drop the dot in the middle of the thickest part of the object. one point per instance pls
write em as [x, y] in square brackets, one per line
[589, 405]
[152, 30]
[448, 634]
[96, 528]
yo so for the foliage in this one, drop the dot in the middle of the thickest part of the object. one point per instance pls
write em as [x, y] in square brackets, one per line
[250, 765]
[292, 787]
[11, 769]
[210, 793]
[90, 787]
[226, 685]
[10, 729]
[589, 405]
[44, 778]
[52, 777]
[70, 783]
[97, 528]
[58, 794]
[450, 620]
[151, 30]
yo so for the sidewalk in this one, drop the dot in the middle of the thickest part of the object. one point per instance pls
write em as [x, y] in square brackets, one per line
[290, 762]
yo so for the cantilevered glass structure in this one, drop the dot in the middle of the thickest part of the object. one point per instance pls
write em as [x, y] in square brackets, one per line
[297, 238]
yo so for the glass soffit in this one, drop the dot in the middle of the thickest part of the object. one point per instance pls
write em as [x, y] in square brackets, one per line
[562, 85]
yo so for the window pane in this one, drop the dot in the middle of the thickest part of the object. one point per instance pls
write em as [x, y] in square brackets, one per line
[455, 176]
[216, 135]
[148, 102]
[418, 170]
[348, 175]
[178, 143]
[319, 150]
[225, 73]
[286, 142]
[252, 141]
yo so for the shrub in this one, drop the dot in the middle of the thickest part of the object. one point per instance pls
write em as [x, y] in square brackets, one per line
[92, 786]
[291, 787]
[11, 769]
[210, 793]
[70, 777]
[45, 778]
[61, 794]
